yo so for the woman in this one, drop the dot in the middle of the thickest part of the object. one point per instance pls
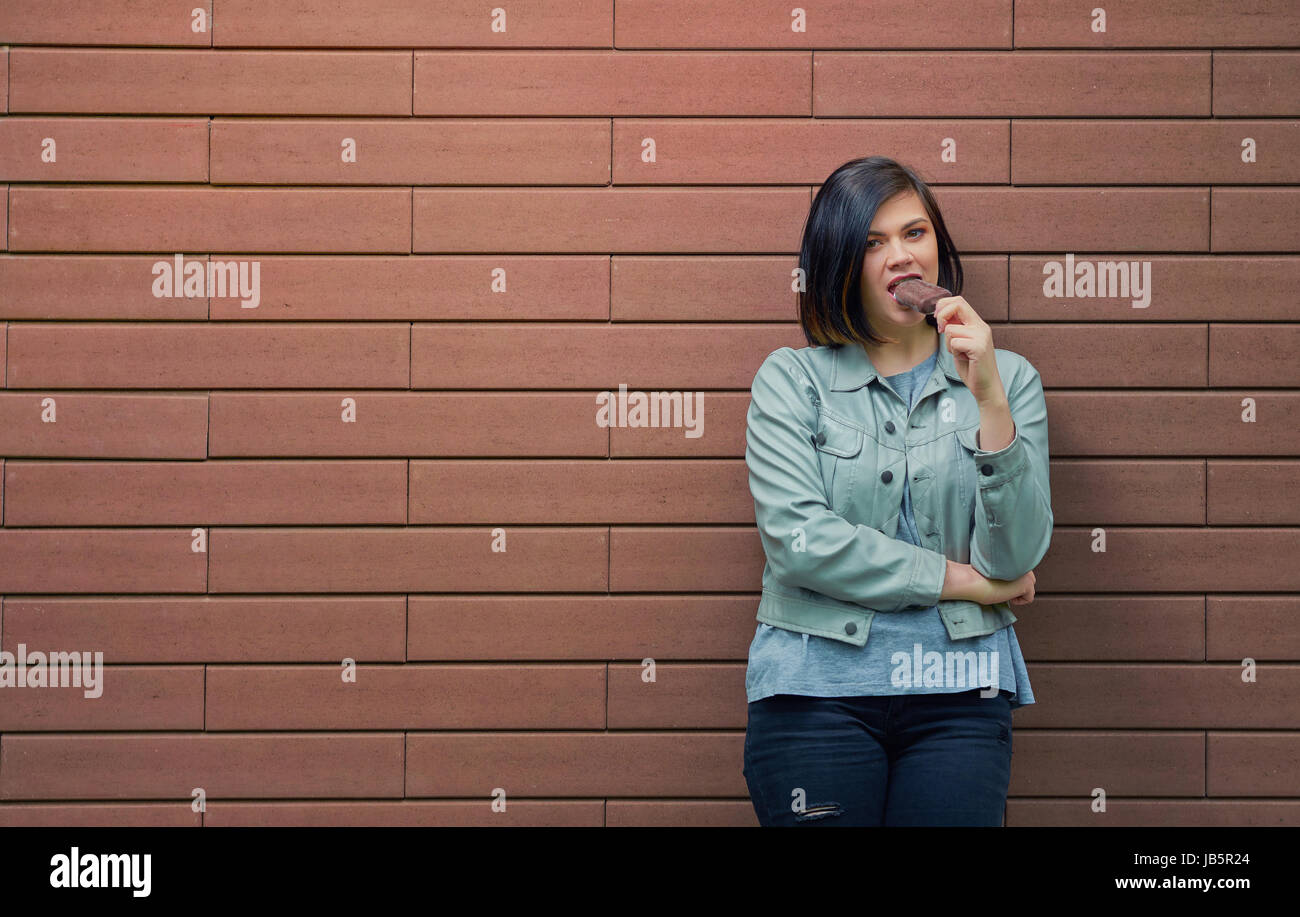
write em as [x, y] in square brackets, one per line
[899, 468]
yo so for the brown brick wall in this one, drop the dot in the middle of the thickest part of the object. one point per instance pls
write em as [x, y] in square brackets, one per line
[201, 514]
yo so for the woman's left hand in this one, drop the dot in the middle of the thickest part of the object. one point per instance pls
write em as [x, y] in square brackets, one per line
[970, 340]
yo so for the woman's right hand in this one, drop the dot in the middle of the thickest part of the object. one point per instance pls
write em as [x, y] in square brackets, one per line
[992, 591]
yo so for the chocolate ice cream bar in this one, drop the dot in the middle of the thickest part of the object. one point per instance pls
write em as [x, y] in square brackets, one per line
[919, 295]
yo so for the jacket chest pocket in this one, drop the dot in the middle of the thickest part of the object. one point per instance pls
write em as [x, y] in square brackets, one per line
[839, 450]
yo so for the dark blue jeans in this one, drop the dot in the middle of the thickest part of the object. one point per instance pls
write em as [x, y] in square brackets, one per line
[911, 759]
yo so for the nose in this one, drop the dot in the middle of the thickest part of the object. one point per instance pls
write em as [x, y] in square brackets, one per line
[897, 254]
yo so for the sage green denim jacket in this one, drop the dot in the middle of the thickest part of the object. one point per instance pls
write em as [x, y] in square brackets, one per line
[827, 445]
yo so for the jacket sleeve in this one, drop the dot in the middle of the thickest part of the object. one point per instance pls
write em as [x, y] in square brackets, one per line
[807, 544]
[1013, 505]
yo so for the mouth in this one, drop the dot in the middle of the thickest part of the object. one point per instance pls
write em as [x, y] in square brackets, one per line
[896, 281]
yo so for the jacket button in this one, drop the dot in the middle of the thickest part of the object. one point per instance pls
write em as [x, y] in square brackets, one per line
[886, 476]
[889, 426]
[850, 628]
[986, 469]
[821, 439]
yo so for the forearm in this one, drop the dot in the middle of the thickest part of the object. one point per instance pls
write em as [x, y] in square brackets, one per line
[961, 582]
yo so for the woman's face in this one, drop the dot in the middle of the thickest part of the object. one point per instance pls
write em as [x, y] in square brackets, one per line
[901, 241]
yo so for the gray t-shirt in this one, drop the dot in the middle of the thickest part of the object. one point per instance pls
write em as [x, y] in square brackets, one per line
[907, 652]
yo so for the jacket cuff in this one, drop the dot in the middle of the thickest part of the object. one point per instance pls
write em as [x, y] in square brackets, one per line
[928, 575]
[1001, 466]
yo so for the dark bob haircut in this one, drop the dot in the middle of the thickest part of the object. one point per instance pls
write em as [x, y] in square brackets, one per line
[835, 240]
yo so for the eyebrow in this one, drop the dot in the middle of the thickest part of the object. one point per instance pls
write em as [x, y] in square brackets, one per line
[876, 232]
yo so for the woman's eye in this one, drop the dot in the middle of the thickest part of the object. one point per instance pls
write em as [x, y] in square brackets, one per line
[909, 232]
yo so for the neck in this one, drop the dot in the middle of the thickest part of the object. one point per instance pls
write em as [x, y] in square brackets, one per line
[915, 344]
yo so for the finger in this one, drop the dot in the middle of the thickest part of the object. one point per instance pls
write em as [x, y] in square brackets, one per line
[946, 309]
[964, 346]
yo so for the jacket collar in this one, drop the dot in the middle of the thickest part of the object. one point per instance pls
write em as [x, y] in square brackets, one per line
[853, 369]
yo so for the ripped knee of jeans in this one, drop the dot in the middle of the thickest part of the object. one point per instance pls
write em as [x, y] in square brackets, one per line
[820, 811]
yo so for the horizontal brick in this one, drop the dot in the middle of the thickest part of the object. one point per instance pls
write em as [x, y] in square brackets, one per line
[1158, 560]
[1097, 356]
[1251, 220]
[1103, 152]
[1018, 84]
[1254, 355]
[784, 151]
[174, 219]
[1259, 84]
[637, 813]
[566, 813]
[1121, 628]
[407, 697]
[699, 558]
[171, 766]
[491, 627]
[100, 560]
[1152, 423]
[533, 355]
[215, 629]
[75, 81]
[96, 287]
[750, 288]
[104, 149]
[613, 83]
[130, 697]
[1247, 493]
[393, 425]
[575, 764]
[1168, 287]
[579, 492]
[725, 412]
[682, 696]
[1161, 24]
[1127, 491]
[420, 287]
[202, 355]
[407, 23]
[1253, 763]
[1150, 813]
[103, 425]
[316, 287]
[412, 152]
[107, 22]
[608, 220]
[741, 24]
[1260, 627]
[1122, 763]
[98, 815]
[1158, 696]
[405, 560]
[206, 493]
